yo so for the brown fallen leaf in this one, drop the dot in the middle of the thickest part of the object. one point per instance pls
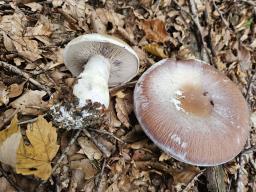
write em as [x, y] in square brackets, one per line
[155, 49]
[15, 90]
[88, 169]
[4, 98]
[8, 43]
[185, 175]
[36, 158]
[5, 186]
[89, 148]
[10, 139]
[155, 30]
[43, 28]
[31, 102]
[123, 108]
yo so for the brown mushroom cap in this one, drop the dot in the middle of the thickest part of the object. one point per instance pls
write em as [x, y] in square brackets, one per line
[192, 112]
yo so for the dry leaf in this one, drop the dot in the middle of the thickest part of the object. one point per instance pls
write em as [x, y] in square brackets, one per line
[27, 48]
[88, 169]
[5, 186]
[89, 148]
[156, 50]
[8, 43]
[31, 102]
[4, 98]
[36, 158]
[74, 8]
[155, 30]
[253, 119]
[185, 175]
[10, 139]
[244, 58]
[123, 110]
[34, 6]
[42, 28]
[15, 90]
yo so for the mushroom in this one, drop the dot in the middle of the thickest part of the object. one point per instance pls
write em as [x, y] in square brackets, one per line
[99, 61]
[192, 112]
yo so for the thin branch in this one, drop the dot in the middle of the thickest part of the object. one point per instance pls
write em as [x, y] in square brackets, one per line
[101, 175]
[16, 70]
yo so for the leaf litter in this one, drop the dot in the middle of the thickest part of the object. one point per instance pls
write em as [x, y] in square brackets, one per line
[116, 156]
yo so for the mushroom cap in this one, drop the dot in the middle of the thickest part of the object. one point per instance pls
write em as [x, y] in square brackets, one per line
[192, 111]
[123, 59]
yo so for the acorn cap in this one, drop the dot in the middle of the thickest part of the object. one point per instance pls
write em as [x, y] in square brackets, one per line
[192, 112]
[123, 59]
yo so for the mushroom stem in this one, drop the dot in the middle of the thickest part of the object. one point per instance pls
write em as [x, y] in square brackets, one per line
[92, 83]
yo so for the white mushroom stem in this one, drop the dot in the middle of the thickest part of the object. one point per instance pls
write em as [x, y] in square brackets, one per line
[92, 83]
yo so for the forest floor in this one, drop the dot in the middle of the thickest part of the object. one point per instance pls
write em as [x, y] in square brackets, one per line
[119, 156]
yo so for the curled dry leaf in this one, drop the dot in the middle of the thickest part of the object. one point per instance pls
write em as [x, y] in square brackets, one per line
[31, 102]
[89, 148]
[155, 30]
[155, 49]
[36, 158]
[88, 169]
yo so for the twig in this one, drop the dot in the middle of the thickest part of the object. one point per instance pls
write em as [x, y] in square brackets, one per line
[250, 150]
[101, 174]
[223, 19]
[10, 180]
[200, 30]
[16, 70]
[189, 185]
[107, 133]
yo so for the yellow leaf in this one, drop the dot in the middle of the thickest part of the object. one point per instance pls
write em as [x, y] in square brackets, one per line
[154, 49]
[36, 158]
[9, 141]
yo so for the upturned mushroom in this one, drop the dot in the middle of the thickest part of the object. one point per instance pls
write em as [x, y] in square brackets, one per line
[99, 61]
[192, 111]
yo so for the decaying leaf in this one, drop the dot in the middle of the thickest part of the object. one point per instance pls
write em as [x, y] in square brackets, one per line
[31, 102]
[10, 139]
[123, 108]
[155, 30]
[253, 119]
[89, 148]
[88, 169]
[4, 98]
[36, 158]
[5, 185]
[15, 90]
[185, 175]
[155, 49]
